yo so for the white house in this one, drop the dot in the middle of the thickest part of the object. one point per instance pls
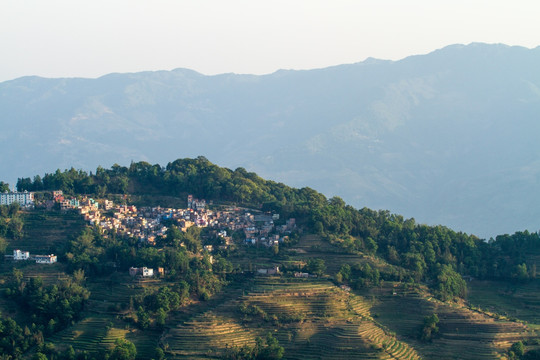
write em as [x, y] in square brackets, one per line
[45, 259]
[20, 255]
[147, 272]
[270, 271]
[144, 271]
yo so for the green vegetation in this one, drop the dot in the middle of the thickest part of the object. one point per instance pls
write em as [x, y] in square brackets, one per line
[403, 292]
[417, 248]
[11, 223]
[53, 307]
[123, 350]
[270, 350]
[430, 328]
[510, 299]
[4, 186]
[449, 284]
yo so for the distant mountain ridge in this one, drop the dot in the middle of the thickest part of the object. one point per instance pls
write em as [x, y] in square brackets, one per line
[449, 137]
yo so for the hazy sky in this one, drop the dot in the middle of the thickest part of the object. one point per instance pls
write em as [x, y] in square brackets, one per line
[66, 38]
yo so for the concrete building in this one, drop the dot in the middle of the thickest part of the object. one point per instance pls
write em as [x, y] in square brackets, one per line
[23, 198]
[20, 255]
[45, 259]
[144, 271]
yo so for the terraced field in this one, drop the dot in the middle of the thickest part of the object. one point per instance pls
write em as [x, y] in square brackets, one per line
[206, 336]
[312, 246]
[111, 292]
[463, 333]
[333, 324]
[521, 301]
[313, 299]
[47, 232]
[101, 327]
[146, 342]
[100, 332]
[359, 339]
[88, 334]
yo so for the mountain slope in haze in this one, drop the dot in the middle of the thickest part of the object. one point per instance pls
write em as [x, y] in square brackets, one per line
[449, 137]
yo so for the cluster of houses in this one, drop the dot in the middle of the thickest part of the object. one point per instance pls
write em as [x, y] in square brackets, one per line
[263, 231]
[148, 223]
[40, 259]
[85, 205]
[126, 220]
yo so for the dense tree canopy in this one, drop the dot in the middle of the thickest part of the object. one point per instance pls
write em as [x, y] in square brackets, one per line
[4, 187]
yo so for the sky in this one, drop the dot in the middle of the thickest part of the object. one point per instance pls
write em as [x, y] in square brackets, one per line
[73, 38]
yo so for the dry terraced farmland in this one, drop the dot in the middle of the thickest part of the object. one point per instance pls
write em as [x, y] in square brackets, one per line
[312, 319]
[463, 333]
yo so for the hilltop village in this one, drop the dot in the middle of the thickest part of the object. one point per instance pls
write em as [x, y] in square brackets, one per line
[147, 224]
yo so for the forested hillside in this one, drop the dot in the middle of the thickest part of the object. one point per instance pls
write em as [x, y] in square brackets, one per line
[417, 247]
[340, 282]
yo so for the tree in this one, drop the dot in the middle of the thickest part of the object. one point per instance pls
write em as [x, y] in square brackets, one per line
[13, 209]
[123, 350]
[84, 252]
[159, 354]
[69, 353]
[370, 246]
[24, 184]
[345, 272]
[15, 227]
[143, 319]
[518, 348]
[430, 328]
[316, 266]
[318, 228]
[520, 272]
[38, 183]
[4, 187]
[161, 316]
[39, 356]
[272, 350]
[174, 236]
[3, 245]
[449, 284]
[78, 276]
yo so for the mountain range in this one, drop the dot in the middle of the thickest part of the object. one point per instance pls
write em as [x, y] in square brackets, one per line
[450, 137]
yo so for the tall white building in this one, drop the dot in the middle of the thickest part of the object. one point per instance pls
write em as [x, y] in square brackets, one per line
[23, 198]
